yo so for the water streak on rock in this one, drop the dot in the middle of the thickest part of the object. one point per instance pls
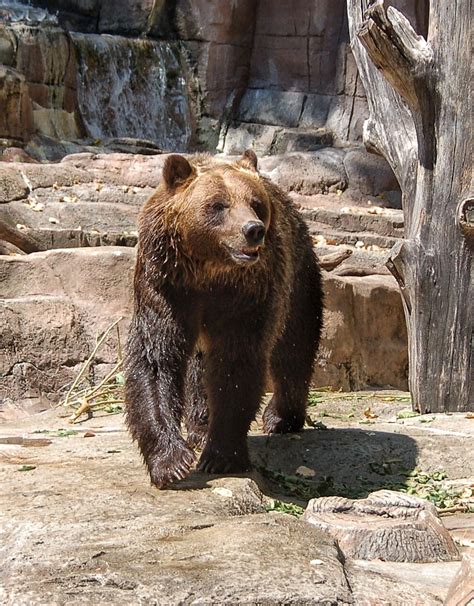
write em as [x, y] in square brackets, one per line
[132, 88]
[13, 11]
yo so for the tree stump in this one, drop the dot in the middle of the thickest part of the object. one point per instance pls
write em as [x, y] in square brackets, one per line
[420, 102]
[387, 525]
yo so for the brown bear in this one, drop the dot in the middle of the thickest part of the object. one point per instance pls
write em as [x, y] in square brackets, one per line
[227, 291]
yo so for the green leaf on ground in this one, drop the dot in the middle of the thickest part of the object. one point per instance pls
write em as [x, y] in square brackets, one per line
[120, 378]
[291, 508]
[407, 414]
[65, 433]
[26, 468]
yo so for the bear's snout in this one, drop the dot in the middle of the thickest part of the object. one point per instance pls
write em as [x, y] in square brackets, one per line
[254, 232]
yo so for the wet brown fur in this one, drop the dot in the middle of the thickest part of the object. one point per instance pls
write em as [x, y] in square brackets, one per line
[207, 330]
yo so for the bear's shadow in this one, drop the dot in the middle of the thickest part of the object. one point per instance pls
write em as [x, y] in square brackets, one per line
[347, 462]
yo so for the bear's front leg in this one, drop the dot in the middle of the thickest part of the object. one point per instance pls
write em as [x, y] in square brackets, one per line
[235, 380]
[157, 352]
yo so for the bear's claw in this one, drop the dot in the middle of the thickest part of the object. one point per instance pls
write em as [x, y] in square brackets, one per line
[174, 467]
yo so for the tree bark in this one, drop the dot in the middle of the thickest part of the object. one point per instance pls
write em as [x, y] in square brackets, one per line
[419, 96]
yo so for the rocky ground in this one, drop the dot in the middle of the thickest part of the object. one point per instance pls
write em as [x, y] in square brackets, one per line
[81, 524]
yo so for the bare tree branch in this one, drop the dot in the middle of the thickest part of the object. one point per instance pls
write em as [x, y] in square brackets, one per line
[386, 108]
[404, 57]
[406, 61]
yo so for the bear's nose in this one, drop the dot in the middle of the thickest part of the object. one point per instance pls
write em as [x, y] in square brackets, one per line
[254, 232]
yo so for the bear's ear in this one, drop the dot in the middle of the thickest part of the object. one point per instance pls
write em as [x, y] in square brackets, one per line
[176, 171]
[249, 161]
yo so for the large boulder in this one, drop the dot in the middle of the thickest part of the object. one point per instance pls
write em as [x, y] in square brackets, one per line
[55, 304]
[321, 171]
[369, 174]
[364, 339]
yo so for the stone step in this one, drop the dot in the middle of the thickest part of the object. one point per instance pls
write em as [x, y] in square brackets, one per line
[94, 199]
[385, 222]
[324, 234]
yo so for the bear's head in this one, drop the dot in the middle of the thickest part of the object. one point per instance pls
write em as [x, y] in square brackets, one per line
[222, 211]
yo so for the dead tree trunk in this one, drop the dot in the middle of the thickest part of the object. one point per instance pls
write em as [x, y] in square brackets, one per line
[419, 94]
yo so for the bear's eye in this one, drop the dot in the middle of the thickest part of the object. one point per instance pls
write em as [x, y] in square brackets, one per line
[218, 207]
[259, 208]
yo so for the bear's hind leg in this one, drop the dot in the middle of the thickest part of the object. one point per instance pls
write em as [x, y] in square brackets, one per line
[293, 356]
[235, 378]
[196, 415]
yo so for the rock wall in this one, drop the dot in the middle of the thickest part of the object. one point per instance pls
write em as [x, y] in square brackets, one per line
[235, 72]
[64, 90]
[82, 213]
[39, 83]
[303, 78]
[132, 88]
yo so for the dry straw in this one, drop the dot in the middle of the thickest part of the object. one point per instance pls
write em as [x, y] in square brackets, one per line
[108, 394]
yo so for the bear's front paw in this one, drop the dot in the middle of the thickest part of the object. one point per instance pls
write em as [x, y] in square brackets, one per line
[214, 460]
[171, 466]
[274, 423]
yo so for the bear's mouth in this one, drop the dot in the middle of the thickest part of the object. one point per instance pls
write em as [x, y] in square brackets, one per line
[245, 255]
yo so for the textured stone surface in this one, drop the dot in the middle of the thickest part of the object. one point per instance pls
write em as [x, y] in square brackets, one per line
[368, 173]
[124, 17]
[209, 541]
[216, 21]
[310, 173]
[271, 107]
[16, 117]
[84, 526]
[15, 154]
[87, 200]
[46, 102]
[218, 37]
[12, 184]
[461, 590]
[53, 306]
[364, 336]
[133, 88]
[222, 71]
[392, 583]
